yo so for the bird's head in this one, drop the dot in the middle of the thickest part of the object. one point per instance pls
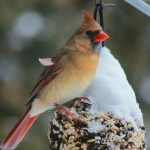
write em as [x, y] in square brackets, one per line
[90, 30]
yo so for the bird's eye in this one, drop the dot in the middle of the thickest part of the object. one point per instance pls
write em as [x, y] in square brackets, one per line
[96, 32]
[92, 33]
[88, 32]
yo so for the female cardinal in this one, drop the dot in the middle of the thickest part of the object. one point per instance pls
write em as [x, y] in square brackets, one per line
[65, 76]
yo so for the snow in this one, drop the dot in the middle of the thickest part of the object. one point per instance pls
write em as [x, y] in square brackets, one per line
[111, 92]
[95, 126]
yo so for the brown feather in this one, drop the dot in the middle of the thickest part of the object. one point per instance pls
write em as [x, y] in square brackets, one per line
[88, 22]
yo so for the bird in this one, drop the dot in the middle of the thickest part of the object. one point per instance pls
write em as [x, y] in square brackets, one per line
[110, 90]
[65, 76]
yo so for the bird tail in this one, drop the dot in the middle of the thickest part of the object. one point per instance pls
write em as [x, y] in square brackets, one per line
[19, 131]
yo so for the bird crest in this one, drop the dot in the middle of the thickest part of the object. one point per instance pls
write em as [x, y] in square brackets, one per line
[88, 22]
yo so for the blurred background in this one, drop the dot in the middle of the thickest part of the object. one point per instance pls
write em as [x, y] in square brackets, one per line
[31, 29]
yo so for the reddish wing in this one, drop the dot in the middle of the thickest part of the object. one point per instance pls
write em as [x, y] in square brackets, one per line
[48, 74]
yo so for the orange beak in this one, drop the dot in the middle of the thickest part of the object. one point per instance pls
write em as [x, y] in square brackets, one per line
[100, 37]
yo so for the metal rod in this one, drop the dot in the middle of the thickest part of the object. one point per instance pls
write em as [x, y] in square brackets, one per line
[99, 6]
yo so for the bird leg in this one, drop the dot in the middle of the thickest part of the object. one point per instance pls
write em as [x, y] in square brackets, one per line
[65, 111]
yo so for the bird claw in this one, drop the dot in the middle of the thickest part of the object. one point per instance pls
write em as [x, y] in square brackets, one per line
[77, 100]
[65, 111]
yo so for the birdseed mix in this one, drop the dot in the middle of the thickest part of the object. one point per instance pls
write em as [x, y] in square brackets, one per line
[93, 131]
